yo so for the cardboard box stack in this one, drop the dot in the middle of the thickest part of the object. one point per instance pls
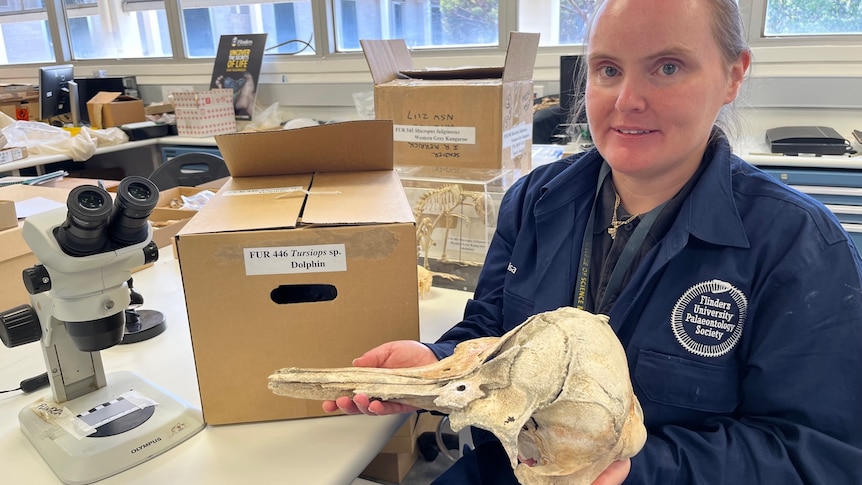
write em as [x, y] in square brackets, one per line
[461, 118]
[306, 257]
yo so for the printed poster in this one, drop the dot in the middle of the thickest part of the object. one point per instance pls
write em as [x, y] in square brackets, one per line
[237, 67]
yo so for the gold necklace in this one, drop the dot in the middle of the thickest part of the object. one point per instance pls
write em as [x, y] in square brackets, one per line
[615, 224]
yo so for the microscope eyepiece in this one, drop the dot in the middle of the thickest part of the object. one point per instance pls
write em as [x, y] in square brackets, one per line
[136, 199]
[85, 230]
[95, 223]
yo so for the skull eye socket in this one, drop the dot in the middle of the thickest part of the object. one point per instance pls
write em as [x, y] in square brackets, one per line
[532, 424]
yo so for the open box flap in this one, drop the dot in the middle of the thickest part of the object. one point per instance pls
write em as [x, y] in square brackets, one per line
[349, 146]
[389, 60]
[357, 198]
[250, 203]
[386, 58]
[520, 56]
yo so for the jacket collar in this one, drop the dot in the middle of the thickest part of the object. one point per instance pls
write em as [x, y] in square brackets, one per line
[712, 199]
[717, 220]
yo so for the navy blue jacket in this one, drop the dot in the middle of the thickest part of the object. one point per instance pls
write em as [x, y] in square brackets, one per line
[742, 326]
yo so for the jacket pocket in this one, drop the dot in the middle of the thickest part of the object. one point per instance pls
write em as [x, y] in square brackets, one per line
[516, 309]
[675, 381]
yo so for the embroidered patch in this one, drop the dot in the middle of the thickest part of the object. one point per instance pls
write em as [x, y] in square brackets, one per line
[708, 318]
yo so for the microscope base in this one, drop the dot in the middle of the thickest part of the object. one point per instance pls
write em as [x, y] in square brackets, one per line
[129, 431]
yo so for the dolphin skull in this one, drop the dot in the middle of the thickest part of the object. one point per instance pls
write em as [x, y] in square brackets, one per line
[555, 390]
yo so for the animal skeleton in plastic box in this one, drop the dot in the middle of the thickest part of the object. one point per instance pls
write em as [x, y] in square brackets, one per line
[445, 201]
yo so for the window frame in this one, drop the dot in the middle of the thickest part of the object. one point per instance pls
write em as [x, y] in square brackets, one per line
[774, 57]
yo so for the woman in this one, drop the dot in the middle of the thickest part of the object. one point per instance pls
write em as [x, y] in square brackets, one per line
[736, 298]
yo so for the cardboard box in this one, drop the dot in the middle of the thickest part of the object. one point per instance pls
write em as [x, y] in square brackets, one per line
[306, 257]
[8, 216]
[15, 254]
[173, 198]
[463, 118]
[11, 154]
[204, 113]
[391, 467]
[400, 453]
[108, 109]
[167, 223]
[19, 101]
[170, 215]
[19, 106]
[404, 438]
[16, 88]
[157, 109]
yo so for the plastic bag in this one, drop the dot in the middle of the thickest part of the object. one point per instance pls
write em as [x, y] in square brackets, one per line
[32, 134]
[364, 102]
[267, 119]
[44, 139]
[197, 201]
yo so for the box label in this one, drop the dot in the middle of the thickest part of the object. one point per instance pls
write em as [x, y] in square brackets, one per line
[323, 258]
[517, 136]
[435, 134]
[8, 155]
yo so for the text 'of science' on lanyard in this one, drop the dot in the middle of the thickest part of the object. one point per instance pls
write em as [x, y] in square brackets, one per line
[623, 264]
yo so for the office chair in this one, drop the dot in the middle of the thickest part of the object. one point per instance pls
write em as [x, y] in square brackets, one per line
[189, 170]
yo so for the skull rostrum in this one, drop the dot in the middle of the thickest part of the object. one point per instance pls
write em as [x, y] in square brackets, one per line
[555, 390]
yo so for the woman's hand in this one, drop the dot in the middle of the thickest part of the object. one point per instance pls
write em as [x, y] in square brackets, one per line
[615, 473]
[391, 355]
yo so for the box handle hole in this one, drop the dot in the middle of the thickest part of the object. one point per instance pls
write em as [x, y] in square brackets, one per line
[289, 294]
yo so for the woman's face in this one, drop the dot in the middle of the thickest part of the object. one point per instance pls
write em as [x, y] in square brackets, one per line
[655, 85]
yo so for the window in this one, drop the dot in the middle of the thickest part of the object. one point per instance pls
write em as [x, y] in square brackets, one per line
[179, 29]
[812, 17]
[289, 25]
[560, 22]
[421, 23]
[24, 33]
[117, 29]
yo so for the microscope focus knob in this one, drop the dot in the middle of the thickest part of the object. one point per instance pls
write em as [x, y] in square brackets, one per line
[19, 326]
[151, 253]
[37, 279]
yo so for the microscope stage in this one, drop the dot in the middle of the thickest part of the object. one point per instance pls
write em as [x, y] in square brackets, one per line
[134, 421]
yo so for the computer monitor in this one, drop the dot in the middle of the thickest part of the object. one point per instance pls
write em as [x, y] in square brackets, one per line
[58, 93]
[572, 84]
